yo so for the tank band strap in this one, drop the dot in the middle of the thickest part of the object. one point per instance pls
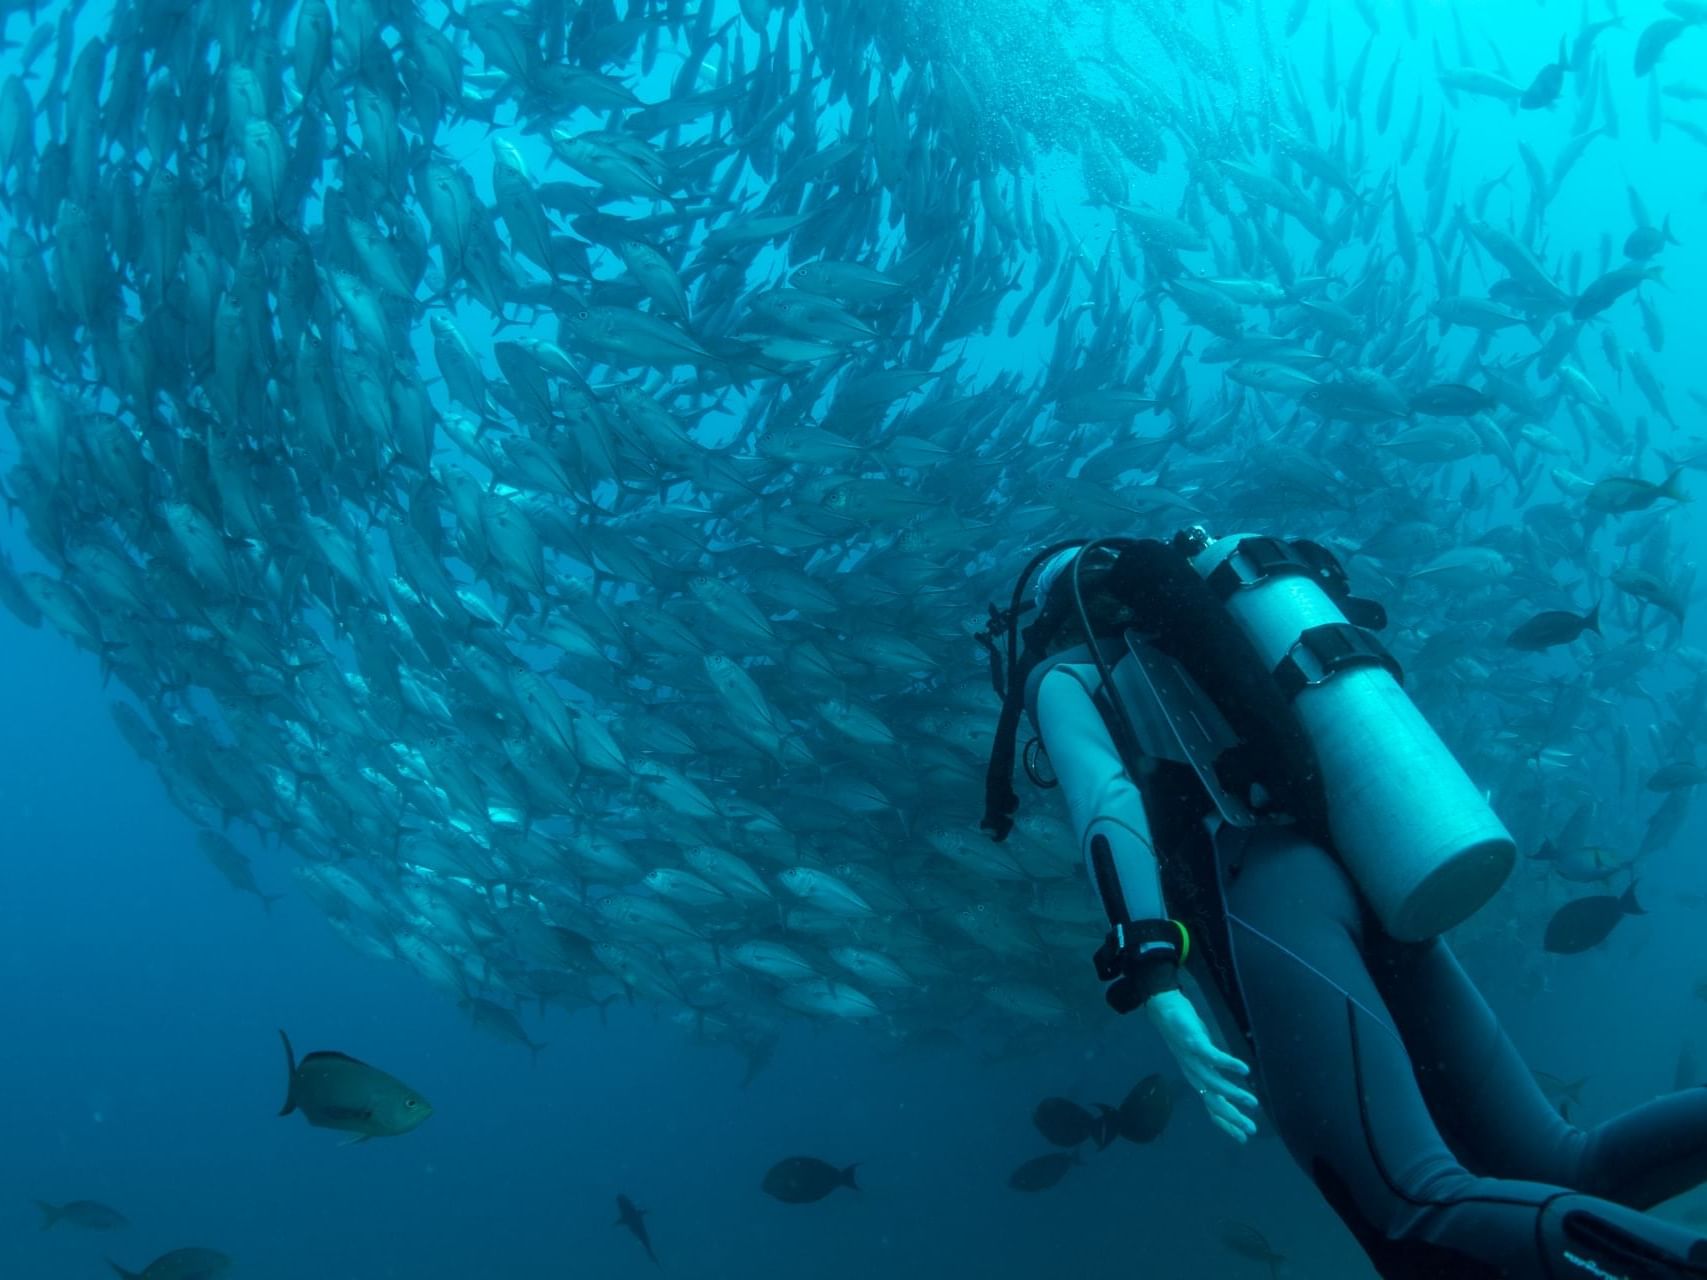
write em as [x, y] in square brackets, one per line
[1259, 558]
[1255, 560]
[1322, 652]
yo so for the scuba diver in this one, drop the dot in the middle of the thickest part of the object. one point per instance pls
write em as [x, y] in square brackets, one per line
[1261, 805]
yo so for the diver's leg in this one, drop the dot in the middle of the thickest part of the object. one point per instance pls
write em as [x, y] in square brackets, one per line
[1475, 1081]
[1341, 1090]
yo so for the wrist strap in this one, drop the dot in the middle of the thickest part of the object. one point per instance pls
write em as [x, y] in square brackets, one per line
[1141, 959]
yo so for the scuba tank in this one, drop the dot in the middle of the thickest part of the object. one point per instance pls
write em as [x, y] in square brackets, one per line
[1409, 826]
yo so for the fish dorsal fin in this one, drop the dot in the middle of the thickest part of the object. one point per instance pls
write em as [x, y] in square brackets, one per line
[324, 1055]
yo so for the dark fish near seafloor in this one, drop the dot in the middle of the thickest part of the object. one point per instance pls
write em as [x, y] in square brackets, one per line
[1247, 1242]
[91, 1215]
[630, 1215]
[1043, 1172]
[1145, 1110]
[1066, 1124]
[180, 1264]
[804, 1179]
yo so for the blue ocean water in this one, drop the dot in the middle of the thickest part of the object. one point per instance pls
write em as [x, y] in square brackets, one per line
[138, 1013]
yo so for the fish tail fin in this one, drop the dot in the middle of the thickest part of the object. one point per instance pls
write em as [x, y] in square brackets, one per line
[290, 1086]
[50, 1213]
[534, 1049]
[1673, 487]
[848, 1177]
[123, 1274]
[1546, 853]
[1665, 231]
[1592, 622]
[1629, 904]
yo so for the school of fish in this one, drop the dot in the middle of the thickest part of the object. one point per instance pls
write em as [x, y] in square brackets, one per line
[542, 465]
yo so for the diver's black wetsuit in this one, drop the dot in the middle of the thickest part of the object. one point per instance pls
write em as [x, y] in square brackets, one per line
[1379, 1063]
[1368, 1050]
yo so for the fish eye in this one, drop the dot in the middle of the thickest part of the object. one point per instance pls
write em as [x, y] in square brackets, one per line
[582, 314]
[410, 1103]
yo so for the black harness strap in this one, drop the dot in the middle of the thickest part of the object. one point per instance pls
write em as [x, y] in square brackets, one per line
[1001, 801]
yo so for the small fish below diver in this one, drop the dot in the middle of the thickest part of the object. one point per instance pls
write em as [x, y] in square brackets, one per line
[1042, 1172]
[804, 1179]
[1246, 1241]
[1145, 1110]
[1563, 1094]
[336, 1091]
[1065, 1123]
[90, 1215]
[1553, 627]
[1586, 922]
[630, 1215]
[180, 1264]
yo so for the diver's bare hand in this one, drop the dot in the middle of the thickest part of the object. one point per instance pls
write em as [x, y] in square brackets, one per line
[1215, 1075]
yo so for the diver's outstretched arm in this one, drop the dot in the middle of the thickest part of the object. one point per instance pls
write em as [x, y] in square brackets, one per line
[1114, 836]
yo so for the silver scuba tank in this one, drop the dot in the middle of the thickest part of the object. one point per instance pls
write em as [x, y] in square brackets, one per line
[1409, 826]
